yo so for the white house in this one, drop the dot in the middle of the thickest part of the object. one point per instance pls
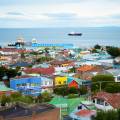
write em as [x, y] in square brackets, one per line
[46, 84]
[106, 101]
[115, 73]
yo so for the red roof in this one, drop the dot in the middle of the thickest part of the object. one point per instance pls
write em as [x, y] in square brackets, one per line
[23, 76]
[73, 84]
[14, 50]
[46, 71]
[86, 113]
[112, 99]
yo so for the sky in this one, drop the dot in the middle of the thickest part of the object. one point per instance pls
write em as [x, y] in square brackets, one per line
[59, 13]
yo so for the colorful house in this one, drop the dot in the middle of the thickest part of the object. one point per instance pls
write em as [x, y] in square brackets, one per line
[75, 82]
[5, 90]
[84, 111]
[46, 84]
[106, 101]
[85, 68]
[27, 86]
[72, 83]
[65, 63]
[44, 71]
[60, 80]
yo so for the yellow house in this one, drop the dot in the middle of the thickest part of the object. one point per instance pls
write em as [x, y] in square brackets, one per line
[60, 80]
[3, 58]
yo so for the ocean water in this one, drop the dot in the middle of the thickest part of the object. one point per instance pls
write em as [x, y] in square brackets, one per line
[90, 37]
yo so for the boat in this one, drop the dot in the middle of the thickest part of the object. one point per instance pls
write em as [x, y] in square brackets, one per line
[75, 34]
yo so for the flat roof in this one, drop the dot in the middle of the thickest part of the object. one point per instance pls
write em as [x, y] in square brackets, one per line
[19, 111]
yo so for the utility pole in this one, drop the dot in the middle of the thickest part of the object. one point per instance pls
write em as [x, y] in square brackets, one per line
[100, 83]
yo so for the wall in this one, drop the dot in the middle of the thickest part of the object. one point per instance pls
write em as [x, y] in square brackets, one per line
[60, 80]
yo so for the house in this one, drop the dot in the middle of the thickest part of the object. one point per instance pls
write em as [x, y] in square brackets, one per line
[12, 51]
[60, 80]
[44, 71]
[5, 90]
[34, 112]
[85, 52]
[57, 63]
[46, 84]
[84, 111]
[115, 73]
[76, 82]
[20, 64]
[72, 83]
[106, 101]
[27, 85]
[89, 68]
[96, 56]
[4, 60]
[85, 68]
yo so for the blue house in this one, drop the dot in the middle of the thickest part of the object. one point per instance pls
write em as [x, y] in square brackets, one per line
[27, 86]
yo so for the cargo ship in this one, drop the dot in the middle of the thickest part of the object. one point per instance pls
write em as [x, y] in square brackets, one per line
[75, 34]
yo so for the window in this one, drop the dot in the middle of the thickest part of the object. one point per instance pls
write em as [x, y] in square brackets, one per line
[118, 78]
[100, 102]
[93, 101]
[18, 85]
[24, 84]
[59, 82]
[64, 82]
[50, 82]
[45, 82]
[106, 104]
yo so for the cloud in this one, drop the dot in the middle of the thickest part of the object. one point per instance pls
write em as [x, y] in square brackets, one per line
[26, 2]
[61, 16]
[14, 13]
[74, 13]
[116, 16]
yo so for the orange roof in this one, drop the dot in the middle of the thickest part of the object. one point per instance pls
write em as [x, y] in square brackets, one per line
[85, 68]
[84, 113]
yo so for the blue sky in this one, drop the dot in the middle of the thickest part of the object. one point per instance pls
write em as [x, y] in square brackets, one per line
[59, 13]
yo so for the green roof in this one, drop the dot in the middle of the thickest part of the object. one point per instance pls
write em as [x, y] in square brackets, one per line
[3, 88]
[71, 104]
[59, 102]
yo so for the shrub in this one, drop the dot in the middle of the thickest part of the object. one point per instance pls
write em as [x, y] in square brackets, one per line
[72, 96]
[72, 90]
[5, 99]
[83, 90]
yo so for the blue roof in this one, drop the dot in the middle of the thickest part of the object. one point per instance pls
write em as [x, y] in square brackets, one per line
[20, 64]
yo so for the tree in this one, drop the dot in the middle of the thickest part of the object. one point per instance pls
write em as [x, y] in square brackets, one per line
[113, 51]
[107, 115]
[43, 59]
[2, 72]
[72, 90]
[46, 97]
[26, 99]
[39, 99]
[73, 69]
[61, 90]
[11, 73]
[83, 90]
[102, 80]
[113, 88]
[5, 99]
[16, 95]
[97, 46]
